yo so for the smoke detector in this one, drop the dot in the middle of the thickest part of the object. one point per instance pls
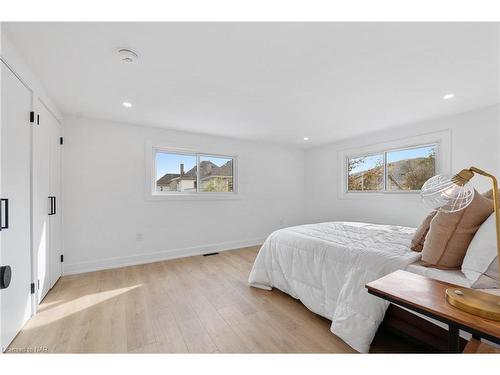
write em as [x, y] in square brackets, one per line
[127, 56]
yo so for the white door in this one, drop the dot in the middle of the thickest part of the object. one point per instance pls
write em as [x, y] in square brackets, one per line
[15, 169]
[41, 206]
[55, 221]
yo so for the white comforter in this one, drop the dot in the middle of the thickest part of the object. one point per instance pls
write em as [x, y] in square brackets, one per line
[327, 265]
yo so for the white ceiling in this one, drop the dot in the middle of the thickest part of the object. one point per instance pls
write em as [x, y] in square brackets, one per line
[265, 81]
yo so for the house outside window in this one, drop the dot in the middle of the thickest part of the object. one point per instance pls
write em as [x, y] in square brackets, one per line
[192, 173]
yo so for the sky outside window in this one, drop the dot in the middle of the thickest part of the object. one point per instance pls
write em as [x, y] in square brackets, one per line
[414, 153]
[369, 162]
[170, 163]
[393, 156]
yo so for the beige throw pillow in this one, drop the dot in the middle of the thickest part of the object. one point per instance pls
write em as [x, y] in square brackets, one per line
[489, 194]
[417, 242]
[451, 233]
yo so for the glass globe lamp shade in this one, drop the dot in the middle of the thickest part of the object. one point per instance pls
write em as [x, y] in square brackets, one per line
[441, 192]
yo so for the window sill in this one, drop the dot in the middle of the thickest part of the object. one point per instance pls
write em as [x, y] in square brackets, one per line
[377, 194]
[193, 197]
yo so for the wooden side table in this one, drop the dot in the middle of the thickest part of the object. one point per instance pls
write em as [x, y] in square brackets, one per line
[427, 297]
[477, 347]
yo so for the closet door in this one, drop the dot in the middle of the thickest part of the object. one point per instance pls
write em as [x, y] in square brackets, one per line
[55, 222]
[16, 101]
[41, 202]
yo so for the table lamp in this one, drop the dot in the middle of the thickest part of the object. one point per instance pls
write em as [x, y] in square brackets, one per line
[451, 194]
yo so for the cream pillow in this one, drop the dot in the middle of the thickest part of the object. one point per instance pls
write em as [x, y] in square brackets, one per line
[451, 233]
[480, 264]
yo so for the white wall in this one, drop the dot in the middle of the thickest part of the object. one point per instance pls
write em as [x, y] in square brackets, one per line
[475, 140]
[109, 222]
[106, 211]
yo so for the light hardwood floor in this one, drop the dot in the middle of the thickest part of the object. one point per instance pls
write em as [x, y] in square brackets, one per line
[190, 305]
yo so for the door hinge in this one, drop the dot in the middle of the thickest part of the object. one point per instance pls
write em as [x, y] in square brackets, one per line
[62, 258]
[32, 117]
[38, 284]
[38, 119]
[32, 288]
[61, 140]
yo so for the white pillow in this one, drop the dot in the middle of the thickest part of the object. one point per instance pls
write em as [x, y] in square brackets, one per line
[480, 264]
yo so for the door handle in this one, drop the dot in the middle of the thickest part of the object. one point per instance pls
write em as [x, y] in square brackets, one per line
[53, 207]
[5, 276]
[51, 211]
[4, 225]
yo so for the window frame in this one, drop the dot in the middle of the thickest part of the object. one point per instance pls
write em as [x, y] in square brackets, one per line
[375, 153]
[441, 139]
[198, 156]
[151, 194]
[384, 176]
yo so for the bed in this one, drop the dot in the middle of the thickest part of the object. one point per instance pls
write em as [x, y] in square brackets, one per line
[327, 265]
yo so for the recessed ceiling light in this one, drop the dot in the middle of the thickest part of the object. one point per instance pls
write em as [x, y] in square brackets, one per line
[127, 104]
[449, 96]
[306, 138]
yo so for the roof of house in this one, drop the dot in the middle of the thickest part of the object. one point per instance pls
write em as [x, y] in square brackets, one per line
[226, 169]
[207, 170]
[166, 178]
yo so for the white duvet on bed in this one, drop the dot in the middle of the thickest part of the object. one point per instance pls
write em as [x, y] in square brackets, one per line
[327, 265]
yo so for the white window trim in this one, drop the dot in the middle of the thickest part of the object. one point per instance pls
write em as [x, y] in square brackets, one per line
[152, 148]
[443, 160]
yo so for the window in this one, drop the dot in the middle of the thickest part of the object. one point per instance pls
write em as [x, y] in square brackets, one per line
[394, 170]
[366, 173]
[192, 173]
[409, 169]
[175, 172]
[216, 174]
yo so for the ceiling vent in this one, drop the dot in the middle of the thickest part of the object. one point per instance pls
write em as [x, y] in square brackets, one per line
[127, 56]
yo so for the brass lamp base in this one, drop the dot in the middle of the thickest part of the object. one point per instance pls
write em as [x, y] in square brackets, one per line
[475, 302]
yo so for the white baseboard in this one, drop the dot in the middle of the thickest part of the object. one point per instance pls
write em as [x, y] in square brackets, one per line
[131, 260]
